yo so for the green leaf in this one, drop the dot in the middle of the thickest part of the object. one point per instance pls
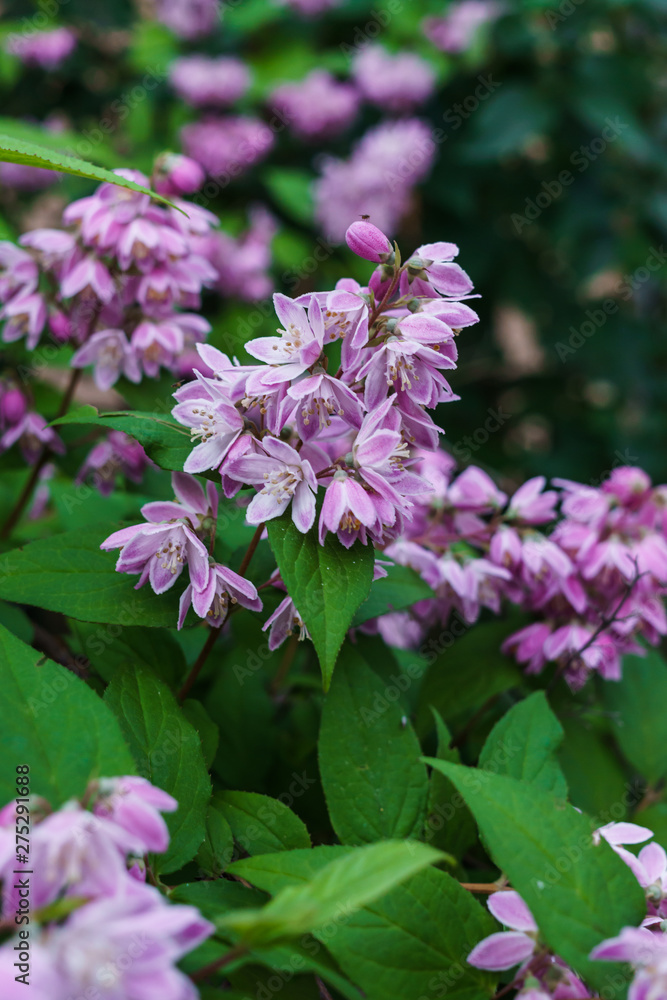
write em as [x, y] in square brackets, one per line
[592, 767]
[523, 744]
[578, 892]
[165, 441]
[208, 730]
[467, 669]
[374, 782]
[401, 588]
[449, 825]
[327, 583]
[217, 851]
[344, 885]
[168, 752]
[636, 704]
[69, 573]
[111, 649]
[291, 190]
[260, 824]
[14, 150]
[411, 943]
[52, 721]
[59, 142]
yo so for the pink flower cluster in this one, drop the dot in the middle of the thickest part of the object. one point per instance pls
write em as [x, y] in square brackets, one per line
[189, 19]
[396, 83]
[204, 82]
[456, 30]
[172, 538]
[91, 857]
[378, 178]
[46, 49]
[317, 107]
[113, 285]
[227, 145]
[290, 428]
[242, 263]
[543, 975]
[595, 583]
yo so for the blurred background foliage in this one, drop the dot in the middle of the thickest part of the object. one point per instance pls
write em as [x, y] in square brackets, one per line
[550, 382]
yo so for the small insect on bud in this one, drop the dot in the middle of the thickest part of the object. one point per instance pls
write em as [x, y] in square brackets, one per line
[369, 242]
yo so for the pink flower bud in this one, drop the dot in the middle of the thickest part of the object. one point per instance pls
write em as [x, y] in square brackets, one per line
[12, 407]
[178, 175]
[369, 242]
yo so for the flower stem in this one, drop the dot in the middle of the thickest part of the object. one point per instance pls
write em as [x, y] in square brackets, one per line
[285, 663]
[215, 632]
[45, 454]
[219, 963]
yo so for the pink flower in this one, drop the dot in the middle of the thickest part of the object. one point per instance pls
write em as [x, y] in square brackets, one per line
[24, 316]
[455, 31]
[212, 603]
[432, 265]
[528, 645]
[317, 107]
[127, 943]
[34, 434]
[189, 18]
[283, 622]
[158, 552]
[474, 490]
[320, 397]
[396, 83]
[369, 242]
[118, 453]
[13, 406]
[46, 49]
[286, 477]
[292, 353]
[201, 81]
[134, 805]
[156, 345]
[507, 948]
[88, 275]
[646, 951]
[347, 509]
[226, 146]
[213, 420]
[111, 355]
[530, 505]
[176, 175]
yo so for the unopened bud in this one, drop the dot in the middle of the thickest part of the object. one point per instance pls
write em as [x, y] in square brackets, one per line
[369, 242]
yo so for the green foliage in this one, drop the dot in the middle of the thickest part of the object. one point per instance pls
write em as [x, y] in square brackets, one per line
[69, 573]
[326, 582]
[168, 752]
[579, 893]
[344, 885]
[373, 780]
[401, 588]
[163, 440]
[260, 824]
[523, 745]
[636, 704]
[14, 149]
[53, 722]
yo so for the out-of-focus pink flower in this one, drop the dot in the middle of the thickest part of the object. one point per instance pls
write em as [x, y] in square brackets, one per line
[24, 316]
[189, 18]
[646, 951]
[397, 83]
[203, 82]
[33, 433]
[176, 174]
[242, 263]
[317, 107]
[25, 178]
[377, 179]
[112, 356]
[227, 146]
[134, 805]
[46, 49]
[456, 31]
[117, 454]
